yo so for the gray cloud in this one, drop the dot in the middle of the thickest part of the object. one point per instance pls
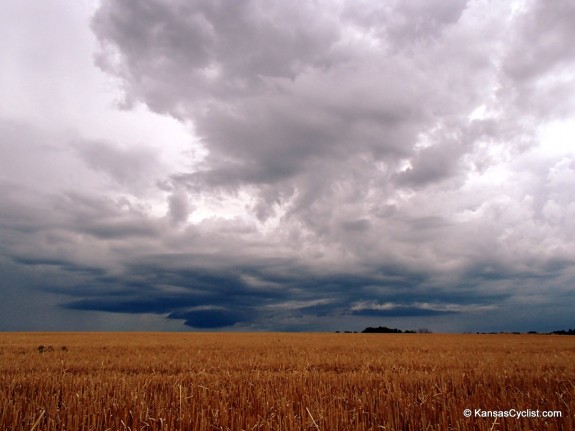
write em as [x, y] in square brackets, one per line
[539, 61]
[405, 24]
[361, 162]
[267, 117]
[132, 167]
[402, 311]
[179, 207]
[542, 41]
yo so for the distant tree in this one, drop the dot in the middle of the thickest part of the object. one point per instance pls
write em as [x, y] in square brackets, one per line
[424, 331]
[564, 332]
[381, 330]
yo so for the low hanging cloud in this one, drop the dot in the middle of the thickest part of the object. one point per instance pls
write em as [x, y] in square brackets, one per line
[361, 161]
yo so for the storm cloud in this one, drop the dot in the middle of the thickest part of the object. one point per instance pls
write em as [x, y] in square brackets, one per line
[280, 165]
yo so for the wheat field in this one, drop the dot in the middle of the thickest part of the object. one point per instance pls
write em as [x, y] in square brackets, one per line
[279, 381]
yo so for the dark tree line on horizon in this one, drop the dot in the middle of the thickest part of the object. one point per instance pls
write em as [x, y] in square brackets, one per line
[385, 330]
[564, 332]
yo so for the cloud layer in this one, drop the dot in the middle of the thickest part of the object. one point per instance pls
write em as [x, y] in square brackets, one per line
[348, 163]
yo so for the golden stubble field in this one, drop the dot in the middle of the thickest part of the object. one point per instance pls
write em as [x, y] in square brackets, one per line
[279, 381]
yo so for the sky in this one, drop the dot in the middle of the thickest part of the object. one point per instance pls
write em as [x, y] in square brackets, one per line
[281, 165]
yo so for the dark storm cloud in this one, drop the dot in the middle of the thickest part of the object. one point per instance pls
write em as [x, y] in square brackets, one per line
[207, 291]
[209, 319]
[224, 296]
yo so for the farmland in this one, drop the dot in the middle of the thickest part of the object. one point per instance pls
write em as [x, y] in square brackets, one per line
[279, 381]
